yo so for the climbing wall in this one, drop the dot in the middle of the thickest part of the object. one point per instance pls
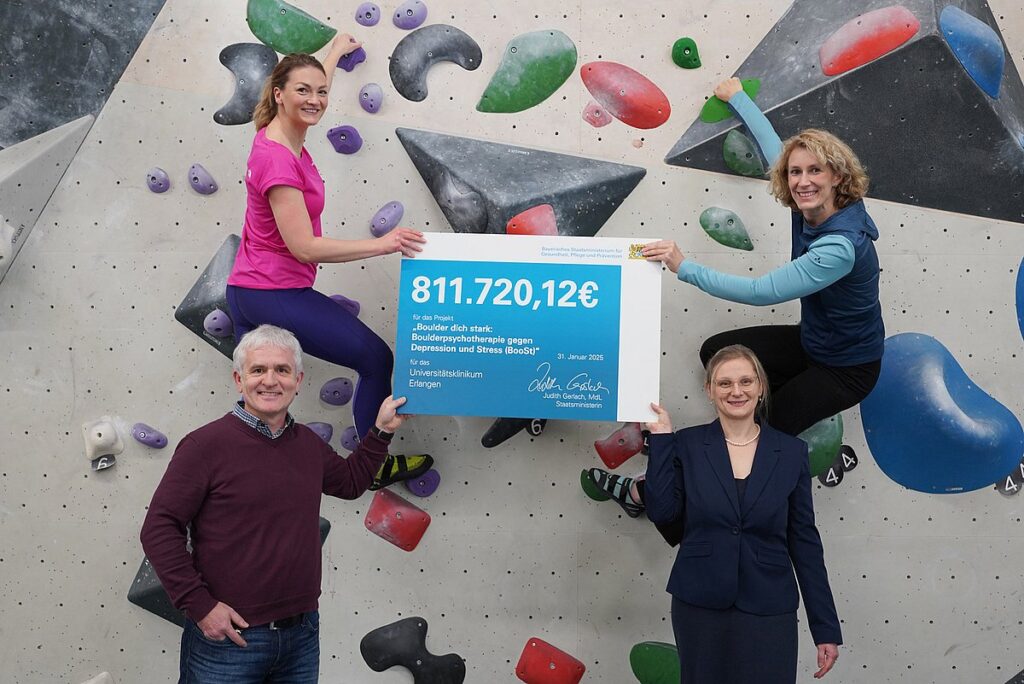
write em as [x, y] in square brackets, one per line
[924, 553]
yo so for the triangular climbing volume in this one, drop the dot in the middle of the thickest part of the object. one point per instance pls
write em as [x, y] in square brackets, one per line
[924, 91]
[481, 185]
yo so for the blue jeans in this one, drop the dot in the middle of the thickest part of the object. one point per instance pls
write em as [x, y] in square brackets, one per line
[284, 656]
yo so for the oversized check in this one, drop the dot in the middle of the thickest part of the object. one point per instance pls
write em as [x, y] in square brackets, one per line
[521, 326]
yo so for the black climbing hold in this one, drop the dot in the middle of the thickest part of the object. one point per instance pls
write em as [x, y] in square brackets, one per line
[481, 185]
[404, 643]
[505, 428]
[208, 294]
[251, 64]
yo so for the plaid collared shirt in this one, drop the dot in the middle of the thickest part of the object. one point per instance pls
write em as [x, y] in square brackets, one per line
[257, 424]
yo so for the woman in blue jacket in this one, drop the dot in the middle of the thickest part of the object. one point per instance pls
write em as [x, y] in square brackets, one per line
[741, 491]
[831, 360]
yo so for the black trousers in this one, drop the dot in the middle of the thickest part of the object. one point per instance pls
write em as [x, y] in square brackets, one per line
[803, 391]
[732, 647]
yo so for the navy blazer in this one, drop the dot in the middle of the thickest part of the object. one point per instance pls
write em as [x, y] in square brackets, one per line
[742, 553]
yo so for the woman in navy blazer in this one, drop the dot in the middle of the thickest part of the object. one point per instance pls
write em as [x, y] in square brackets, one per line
[742, 491]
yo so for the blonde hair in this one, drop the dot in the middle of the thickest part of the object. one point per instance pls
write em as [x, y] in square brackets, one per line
[830, 151]
[738, 351]
[266, 108]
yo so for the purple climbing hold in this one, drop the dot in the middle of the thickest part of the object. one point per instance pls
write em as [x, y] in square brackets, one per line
[323, 430]
[349, 438]
[353, 59]
[350, 305]
[346, 139]
[158, 180]
[149, 436]
[201, 180]
[410, 14]
[371, 97]
[337, 391]
[425, 484]
[386, 218]
[367, 14]
[218, 324]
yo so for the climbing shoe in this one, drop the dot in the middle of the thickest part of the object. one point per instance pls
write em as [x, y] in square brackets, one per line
[617, 487]
[397, 468]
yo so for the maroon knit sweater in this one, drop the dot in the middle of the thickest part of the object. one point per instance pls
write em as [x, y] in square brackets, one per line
[253, 504]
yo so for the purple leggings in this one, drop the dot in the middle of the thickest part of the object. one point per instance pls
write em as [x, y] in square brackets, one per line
[327, 331]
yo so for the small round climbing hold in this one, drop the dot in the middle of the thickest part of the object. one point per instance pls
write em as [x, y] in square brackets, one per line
[684, 53]
[367, 14]
[101, 438]
[345, 139]
[336, 391]
[218, 324]
[726, 228]
[201, 180]
[410, 14]
[386, 218]
[596, 115]
[158, 180]
[350, 305]
[323, 430]
[151, 437]
[349, 438]
[371, 96]
[352, 60]
[424, 485]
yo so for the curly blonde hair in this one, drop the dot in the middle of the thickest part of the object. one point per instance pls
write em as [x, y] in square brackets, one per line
[830, 151]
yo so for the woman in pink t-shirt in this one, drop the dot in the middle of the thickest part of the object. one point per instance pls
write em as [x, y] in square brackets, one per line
[282, 241]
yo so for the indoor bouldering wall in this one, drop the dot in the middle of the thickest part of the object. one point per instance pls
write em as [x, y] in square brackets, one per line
[585, 118]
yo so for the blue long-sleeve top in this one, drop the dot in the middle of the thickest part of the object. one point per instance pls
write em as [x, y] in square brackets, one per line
[827, 259]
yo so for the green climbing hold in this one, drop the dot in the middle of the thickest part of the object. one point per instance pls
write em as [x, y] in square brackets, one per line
[741, 155]
[285, 27]
[726, 228]
[655, 662]
[535, 65]
[684, 53]
[824, 440]
[590, 488]
[715, 110]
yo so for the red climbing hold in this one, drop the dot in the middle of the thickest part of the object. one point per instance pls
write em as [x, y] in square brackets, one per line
[542, 663]
[538, 220]
[866, 38]
[628, 95]
[621, 445]
[396, 520]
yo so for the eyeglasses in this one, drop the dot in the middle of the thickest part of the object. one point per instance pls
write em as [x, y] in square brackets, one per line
[744, 383]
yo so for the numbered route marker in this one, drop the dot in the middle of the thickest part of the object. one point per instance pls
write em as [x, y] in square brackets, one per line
[529, 327]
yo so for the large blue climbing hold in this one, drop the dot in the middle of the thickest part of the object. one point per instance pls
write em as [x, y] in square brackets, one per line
[976, 45]
[930, 428]
[1020, 298]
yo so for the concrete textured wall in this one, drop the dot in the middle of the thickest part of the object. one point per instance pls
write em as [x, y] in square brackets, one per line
[927, 586]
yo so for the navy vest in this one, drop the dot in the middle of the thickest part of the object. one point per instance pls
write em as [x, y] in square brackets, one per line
[841, 325]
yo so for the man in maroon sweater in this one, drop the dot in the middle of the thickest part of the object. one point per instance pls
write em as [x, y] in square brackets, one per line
[247, 486]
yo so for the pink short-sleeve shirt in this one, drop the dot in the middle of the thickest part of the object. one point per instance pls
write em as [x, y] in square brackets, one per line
[263, 261]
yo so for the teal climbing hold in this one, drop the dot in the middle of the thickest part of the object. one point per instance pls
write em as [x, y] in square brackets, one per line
[725, 228]
[535, 65]
[715, 110]
[285, 27]
[684, 53]
[741, 155]
[655, 662]
[824, 440]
